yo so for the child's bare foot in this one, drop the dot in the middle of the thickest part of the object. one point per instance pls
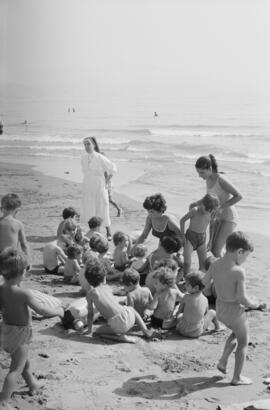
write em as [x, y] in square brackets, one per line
[35, 388]
[242, 381]
[221, 368]
[118, 338]
[148, 333]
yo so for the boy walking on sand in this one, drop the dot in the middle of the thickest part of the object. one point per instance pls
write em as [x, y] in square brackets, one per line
[11, 230]
[15, 302]
[229, 281]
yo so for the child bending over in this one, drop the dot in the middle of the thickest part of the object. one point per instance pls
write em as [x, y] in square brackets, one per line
[139, 252]
[66, 214]
[15, 302]
[137, 297]
[200, 218]
[120, 319]
[72, 265]
[165, 299]
[11, 230]
[193, 316]
[229, 281]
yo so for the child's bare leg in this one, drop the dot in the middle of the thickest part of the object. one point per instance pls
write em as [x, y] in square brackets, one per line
[18, 360]
[139, 321]
[188, 249]
[228, 349]
[241, 333]
[211, 317]
[202, 255]
[224, 230]
[108, 333]
[30, 380]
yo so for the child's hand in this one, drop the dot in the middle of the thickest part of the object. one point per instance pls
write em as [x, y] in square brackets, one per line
[261, 306]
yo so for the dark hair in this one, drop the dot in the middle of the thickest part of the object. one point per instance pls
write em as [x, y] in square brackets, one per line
[166, 276]
[208, 262]
[118, 237]
[130, 277]
[73, 251]
[101, 244]
[94, 222]
[171, 244]
[69, 213]
[210, 202]
[166, 263]
[10, 202]
[93, 240]
[238, 240]
[195, 279]
[139, 250]
[94, 272]
[68, 225]
[12, 263]
[156, 202]
[207, 162]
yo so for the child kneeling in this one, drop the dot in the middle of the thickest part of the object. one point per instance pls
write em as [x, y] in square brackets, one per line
[120, 319]
[193, 316]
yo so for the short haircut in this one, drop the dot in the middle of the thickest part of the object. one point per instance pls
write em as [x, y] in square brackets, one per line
[10, 202]
[210, 202]
[12, 263]
[69, 213]
[73, 251]
[156, 202]
[166, 263]
[68, 225]
[93, 240]
[118, 237]
[171, 244]
[130, 277]
[139, 250]
[94, 222]
[238, 240]
[166, 276]
[195, 279]
[94, 272]
[101, 244]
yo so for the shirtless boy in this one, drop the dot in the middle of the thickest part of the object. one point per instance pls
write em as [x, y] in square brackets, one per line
[11, 230]
[229, 281]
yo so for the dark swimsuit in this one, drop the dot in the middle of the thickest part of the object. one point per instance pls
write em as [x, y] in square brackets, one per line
[160, 234]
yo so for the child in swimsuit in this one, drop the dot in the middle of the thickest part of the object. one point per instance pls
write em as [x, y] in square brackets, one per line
[193, 316]
[121, 252]
[15, 302]
[229, 281]
[137, 296]
[196, 233]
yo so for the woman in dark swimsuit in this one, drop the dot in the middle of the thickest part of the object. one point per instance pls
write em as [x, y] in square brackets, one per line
[160, 223]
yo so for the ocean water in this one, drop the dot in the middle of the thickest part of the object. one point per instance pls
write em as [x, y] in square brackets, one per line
[153, 154]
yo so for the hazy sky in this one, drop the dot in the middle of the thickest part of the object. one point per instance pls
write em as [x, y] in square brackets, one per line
[187, 46]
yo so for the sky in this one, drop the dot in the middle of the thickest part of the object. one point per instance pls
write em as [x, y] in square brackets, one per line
[188, 47]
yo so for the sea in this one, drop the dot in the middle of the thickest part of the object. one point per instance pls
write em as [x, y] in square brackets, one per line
[153, 153]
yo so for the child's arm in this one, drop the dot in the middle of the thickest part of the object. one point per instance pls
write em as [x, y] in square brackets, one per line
[24, 244]
[179, 294]
[229, 187]
[146, 230]
[130, 301]
[90, 315]
[61, 254]
[185, 218]
[241, 290]
[181, 307]
[38, 308]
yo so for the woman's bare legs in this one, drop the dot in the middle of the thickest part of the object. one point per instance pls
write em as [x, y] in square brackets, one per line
[202, 255]
[188, 249]
[224, 230]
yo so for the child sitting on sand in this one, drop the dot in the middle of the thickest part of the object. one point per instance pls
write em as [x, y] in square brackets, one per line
[151, 280]
[229, 281]
[139, 252]
[101, 246]
[200, 218]
[120, 254]
[53, 258]
[68, 234]
[94, 224]
[164, 300]
[72, 265]
[193, 316]
[137, 296]
[66, 214]
[12, 230]
[120, 319]
[15, 302]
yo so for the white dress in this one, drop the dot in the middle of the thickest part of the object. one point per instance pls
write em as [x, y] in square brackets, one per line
[95, 201]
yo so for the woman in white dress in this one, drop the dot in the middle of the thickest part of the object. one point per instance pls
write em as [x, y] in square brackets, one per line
[95, 201]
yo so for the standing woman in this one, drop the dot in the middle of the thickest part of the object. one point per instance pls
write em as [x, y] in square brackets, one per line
[228, 195]
[95, 201]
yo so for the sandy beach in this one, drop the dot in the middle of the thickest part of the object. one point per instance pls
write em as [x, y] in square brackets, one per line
[82, 373]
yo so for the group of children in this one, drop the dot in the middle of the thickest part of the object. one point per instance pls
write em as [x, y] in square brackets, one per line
[151, 284]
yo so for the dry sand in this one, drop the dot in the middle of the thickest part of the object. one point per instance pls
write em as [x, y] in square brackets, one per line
[82, 373]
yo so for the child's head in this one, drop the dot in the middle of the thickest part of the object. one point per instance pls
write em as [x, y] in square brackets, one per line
[170, 244]
[238, 243]
[12, 263]
[208, 262]
[69, 213]
[139, 251]
[73, 251]
[95, 222]
[194, 282]
[166, 278]
[101, 245]
[156, 203]
[95, 272]
[130, 278]
[69, 227]
[210, 202]
[166, 263]
[93, 240]
[10, 202]
[119, 238]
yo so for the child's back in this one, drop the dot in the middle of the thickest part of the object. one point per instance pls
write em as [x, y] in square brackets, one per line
[105, 302]
[52, 256]
[10, 231]
[166, 300]
[139, 298]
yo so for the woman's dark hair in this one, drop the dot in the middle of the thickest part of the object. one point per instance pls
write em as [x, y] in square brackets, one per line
[96, 146]
[171, 244]
[69, 212]
[206, 162]
[156, 202]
